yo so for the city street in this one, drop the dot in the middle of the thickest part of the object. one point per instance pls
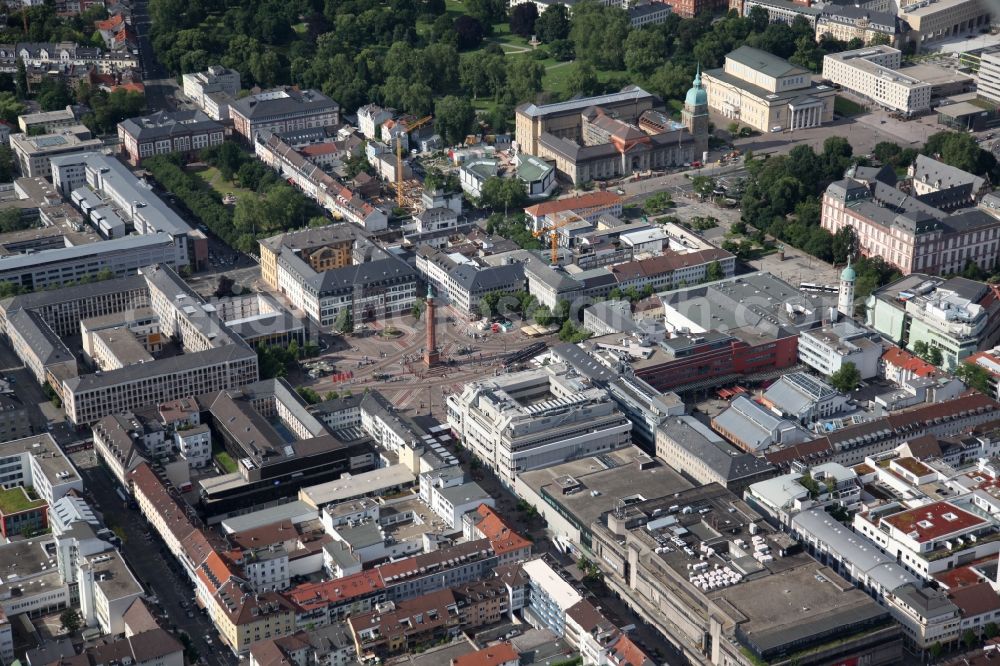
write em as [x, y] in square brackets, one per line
[158, 571]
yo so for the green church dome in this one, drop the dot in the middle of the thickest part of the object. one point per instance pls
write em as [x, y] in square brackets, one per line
[848, 274]
[696, 96]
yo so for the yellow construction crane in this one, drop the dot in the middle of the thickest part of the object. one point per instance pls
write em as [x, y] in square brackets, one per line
[553, 231]
[399, 156]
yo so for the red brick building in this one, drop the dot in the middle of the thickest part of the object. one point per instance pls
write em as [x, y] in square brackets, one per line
[715, 355]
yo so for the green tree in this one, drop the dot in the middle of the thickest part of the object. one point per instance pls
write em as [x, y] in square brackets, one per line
[671, 80]
[469, 31]
[53, 94]
[714, 272]
[703, 185]
[583, 79]
[522, 19]
[343, 322]
[644, 51]
[991, 630]
[357, 163]
[961, 151]
[846, 379]
[453, 118]
[21, 79]
[10, 107]
[309, 395]
[524, 78]
[487, 12]
[506, 194]
[658, 203]
[69, 619]
[934, 355]
[598, 33]
[974, 376]
[553, 24]
[543, 315]
[845, 244]
[936, 649]
[969, 639]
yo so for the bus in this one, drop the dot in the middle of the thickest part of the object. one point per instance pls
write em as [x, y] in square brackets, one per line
[817, 288]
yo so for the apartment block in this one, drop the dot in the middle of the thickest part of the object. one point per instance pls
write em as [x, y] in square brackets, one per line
[873, 73]
[47, 122]
[342, 202]
[164, 133]
[829, 348]
[282, 110]
[199, 85]
[958, 317]
[917, 233]
[33, 153]
[943, 19]
[535, 418]
[325, 270]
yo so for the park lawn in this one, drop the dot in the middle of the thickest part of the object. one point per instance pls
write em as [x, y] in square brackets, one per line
[226, 462]
[300, 28]
[556, 81]
[214, 179]
[845, 107]
[16, 499]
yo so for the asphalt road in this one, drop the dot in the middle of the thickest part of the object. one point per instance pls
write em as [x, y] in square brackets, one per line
[158, 570]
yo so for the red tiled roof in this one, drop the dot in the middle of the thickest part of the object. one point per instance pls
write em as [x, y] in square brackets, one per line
[591, 200]
[965, 575]
[130, 87]
[502, 538]
[629, 654]
[907, 361]
[309, 596]
[214, 572]
[110, 24]
[929, 522]
[989, 355]
[197, 547]
[492, 655]
[411, 565]
[318, 149]
[902, 421]
[145, 481]
[975, 599]
[666, 263]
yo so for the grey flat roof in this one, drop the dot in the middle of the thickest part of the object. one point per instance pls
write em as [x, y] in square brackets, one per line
[269, 103]
[724, 458]
[773, 606]
[348, 487]
[465, 493]
[40, 299]
[614, 475]
[765, 62]
[61, 254]
[629, 93]
[275, 514]
[115, 175]
[164, 124]
[862, 553]
[165, 366]
[39, 336]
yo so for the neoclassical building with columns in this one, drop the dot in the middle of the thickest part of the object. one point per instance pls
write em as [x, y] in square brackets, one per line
[767, 93]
